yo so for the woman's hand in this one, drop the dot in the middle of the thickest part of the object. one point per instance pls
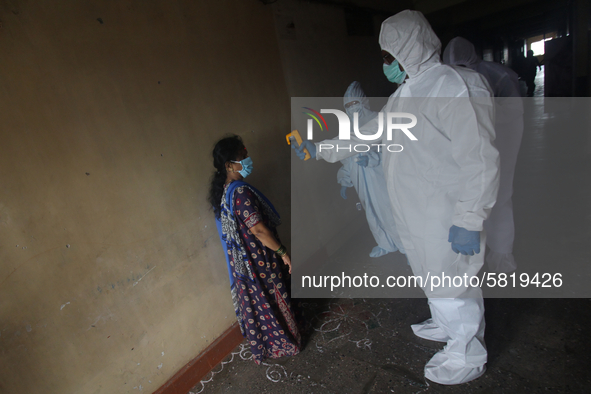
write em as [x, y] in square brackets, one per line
[287, 261]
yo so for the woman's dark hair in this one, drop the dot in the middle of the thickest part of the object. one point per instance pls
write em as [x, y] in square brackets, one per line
[226, 149]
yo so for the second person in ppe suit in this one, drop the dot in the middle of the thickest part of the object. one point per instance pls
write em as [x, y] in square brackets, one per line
[500, 228]
[364, 172]
[441, 186]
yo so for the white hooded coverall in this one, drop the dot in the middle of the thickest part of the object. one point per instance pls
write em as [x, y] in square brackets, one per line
[500, 228]
[369, 181]
[449, 176]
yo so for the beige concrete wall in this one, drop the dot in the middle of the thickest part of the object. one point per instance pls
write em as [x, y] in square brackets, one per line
[320, 60]
[111, 271]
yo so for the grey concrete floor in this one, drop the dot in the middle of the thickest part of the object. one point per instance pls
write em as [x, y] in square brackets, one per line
[536, 345]
[367, 346]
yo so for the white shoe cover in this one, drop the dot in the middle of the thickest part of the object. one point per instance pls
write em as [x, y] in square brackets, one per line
[378, 251]
[430, 331]
[444, 368]
[464, 357]
[501, 262]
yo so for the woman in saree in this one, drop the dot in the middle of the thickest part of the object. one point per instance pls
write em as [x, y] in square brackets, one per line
[258, 264]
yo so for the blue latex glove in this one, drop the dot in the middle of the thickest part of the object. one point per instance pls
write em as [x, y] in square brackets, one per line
[300, 150]
[363, 161]
[344, 192]
[464, 241]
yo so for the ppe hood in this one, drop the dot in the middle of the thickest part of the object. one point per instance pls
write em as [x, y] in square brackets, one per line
[411, 40]
[461, 52]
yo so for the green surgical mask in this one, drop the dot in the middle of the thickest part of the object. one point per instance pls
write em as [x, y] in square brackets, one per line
[393, 73]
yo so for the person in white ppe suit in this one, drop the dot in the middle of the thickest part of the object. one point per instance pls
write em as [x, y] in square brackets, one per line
[364, 172]
[500, 228]
[441, 186]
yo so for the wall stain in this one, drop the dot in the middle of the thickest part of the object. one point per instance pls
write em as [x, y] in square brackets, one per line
[205, 242]
[143, 276]
[134, 278]
[102, 317]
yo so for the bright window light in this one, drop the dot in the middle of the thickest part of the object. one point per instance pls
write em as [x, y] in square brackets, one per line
[538, 47]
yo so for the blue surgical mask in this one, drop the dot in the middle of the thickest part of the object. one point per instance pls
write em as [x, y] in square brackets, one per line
[246, 166]
[393, 72]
